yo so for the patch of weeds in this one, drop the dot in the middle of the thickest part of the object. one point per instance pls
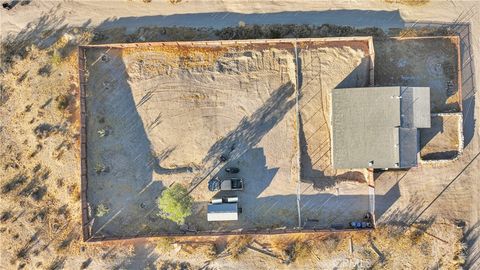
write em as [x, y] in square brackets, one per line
[86, 263]
[165, 244]
[61, 149]
[37, 168]
[37, 150]
[63, 101]
[44, 130]
[101, 210]
[103, 132]
[28, 108]
[38, 193]
[23, 77]
[74, 190]
[40, 216]
[299, 250]
[45, 71]
[5, 216]
[56, 58]
[238, 245]
[409, 2]
[29, 189]
[14, 183]
[101, 168]
[57, 264]
[63, 211]
[171, 265]
[66, 242]
[60, 182]
[209, 249]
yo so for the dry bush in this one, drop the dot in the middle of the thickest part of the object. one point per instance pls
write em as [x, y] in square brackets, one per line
[238, 245]
[171, 265]
[299, 250]
[409, 2]
[279, 245]
[207, 249]
[165, 244]
[62, 102]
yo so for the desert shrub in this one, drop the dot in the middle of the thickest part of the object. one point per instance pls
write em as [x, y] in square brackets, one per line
[238, 245]
[6, 215]
[45, 71]
[175, 204]
[165, 244]
[101, 210]
[409, 2]
[56, 58]
[299, 250]
[208, 249]
[62, 102]
[44, 130]
[15, 182]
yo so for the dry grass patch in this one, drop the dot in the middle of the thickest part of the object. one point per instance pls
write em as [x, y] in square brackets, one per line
[409, 2]
[238, 245]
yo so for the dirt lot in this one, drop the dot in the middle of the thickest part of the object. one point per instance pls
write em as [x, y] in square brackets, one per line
[40, 234]
[442, 140]
[170, 111]
[421, 62]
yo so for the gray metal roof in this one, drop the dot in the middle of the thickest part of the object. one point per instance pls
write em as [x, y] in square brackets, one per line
[376, 127]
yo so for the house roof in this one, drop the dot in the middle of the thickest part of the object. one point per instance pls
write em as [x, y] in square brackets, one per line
[376, 127]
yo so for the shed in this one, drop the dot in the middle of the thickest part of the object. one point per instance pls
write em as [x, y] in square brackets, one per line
[222, 212]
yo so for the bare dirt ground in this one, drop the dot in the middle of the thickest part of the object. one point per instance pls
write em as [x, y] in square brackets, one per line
[171, 111]
[442, 140]
[446, 193]
[421, 62]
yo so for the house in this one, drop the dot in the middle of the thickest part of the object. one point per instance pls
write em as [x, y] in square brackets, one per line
[377, 127]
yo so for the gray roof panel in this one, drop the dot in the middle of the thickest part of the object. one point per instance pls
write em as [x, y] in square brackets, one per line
[376, 126]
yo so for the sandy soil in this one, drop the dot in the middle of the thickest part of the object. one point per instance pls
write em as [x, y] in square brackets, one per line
[175, 110]
[448, 191]
[442, 140]
[421, 62]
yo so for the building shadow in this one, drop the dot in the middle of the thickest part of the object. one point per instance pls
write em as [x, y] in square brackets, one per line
[248, 132]
[125, 184]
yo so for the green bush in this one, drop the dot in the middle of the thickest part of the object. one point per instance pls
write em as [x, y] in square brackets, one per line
[175, 204]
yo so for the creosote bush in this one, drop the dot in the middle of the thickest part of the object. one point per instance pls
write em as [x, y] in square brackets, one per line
[62, 102]
[175, 204]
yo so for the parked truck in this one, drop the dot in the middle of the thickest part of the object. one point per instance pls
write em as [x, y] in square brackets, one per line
[226, 184]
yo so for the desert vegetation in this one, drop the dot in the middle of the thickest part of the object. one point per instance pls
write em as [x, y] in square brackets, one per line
[175, 203]
[40, 188]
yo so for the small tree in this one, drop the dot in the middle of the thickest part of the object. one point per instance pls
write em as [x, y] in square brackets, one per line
[175, 203]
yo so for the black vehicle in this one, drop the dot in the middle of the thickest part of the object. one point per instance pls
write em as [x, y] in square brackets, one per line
[232, 170]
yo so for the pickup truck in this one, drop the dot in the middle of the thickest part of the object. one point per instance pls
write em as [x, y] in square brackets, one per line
[227, 184]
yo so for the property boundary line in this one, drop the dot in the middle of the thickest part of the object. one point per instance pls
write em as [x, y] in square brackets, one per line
[86, 215]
